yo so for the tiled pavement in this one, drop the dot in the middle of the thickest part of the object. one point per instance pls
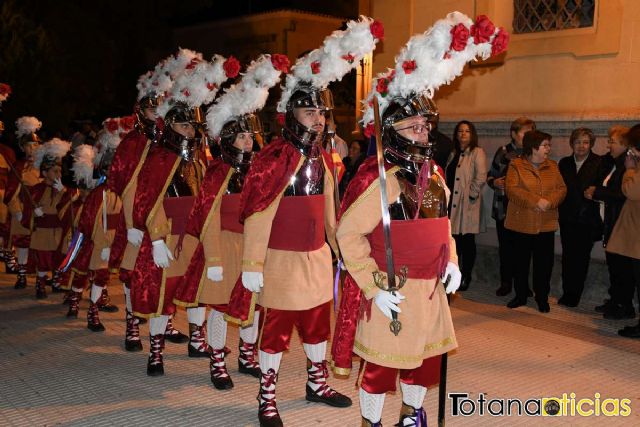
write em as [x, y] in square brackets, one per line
[53, 371]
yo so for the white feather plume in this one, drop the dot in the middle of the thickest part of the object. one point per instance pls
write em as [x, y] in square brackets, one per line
[55, 148]
[27, 125]
[340, 53]
[83, 165]
[247, 96]
[432, 60]
[161, 79]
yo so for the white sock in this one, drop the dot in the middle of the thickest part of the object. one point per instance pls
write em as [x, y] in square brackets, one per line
[42, 273]
[216, 330]
[250, 333]
[96, 293]
[315, 352]
[23, 255]
[127, 298]
[157, 325]
[196, 315]
[371, 406]
[269, 361]
[78, 290]
[413, 395]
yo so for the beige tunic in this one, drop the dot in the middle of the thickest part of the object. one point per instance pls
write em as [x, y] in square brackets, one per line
[48, 239]
[292, 280]
[427, 329]
[103, 239]
[30, 177]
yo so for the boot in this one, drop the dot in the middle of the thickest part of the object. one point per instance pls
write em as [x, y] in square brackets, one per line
[267, 409]
[247, 363]
[317, 374]
[93, 318]
[412, 417]
[367, 423]
[104, 303]
[10, 263]
[197, 346]
[55, 282]
[21, 281]
[155, 367]
[132, 335]
[174, 335]
[218, 369]
[74, 303]
[41, 291]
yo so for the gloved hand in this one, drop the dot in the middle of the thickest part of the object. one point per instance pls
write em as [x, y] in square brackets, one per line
[18, 216]
[104, 254]
[252, 280]
[214, 273]
[38, 211]
[161, 254]
[455, 277]
[134, 236]
[387, 302]
[57, 184]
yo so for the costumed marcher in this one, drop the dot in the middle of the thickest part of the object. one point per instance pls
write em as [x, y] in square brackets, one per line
[423, 249]
[19, 192]
[7, 159]
[288, 209]
[165, 190]
[124, 170]
[213, 222]
[45, 221]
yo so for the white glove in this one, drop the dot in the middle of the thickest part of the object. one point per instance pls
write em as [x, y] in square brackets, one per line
[252, 280]
[104, 254]
[455, 277]
[57, 184]
[18, 216]
[38, 211]
[134, 236]
[214, 273]
[387, 302]
[161, 254]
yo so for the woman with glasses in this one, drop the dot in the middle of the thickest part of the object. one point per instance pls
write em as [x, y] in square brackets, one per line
[466, 174]
[535, 189]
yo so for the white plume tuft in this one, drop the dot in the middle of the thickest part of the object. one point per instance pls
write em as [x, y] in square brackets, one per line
[161, 79]
[339, 54]
[247, 96]
[27, 125]
[83, 165]
[430, 60]
[55, 148]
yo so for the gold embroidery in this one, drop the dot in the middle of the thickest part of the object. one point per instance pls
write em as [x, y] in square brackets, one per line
[399, 357]
[249, 263]
[216, 204]
[356, 267]
[213, 259]
[153, 212]
[340, 371]
[368, 288]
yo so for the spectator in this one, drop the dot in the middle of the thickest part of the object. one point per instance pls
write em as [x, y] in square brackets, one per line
[580, 222]
[442, 144]
[624, 237]
[466, 174]
[351, 164]
[535, 189]
[609, 193]
[496, 181]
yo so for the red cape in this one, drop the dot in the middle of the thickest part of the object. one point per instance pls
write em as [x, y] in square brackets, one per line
[187, 290]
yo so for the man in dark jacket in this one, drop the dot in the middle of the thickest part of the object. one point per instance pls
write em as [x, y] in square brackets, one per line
[580, 222]
[608, 192]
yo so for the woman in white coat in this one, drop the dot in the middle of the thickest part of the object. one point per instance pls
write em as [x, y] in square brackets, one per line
[466, 174]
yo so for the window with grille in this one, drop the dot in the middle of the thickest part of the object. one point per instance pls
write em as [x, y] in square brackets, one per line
[533, 16]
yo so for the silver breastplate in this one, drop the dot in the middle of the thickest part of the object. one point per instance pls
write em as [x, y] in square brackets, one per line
[187, 179]
[309, 180]
[432, 205]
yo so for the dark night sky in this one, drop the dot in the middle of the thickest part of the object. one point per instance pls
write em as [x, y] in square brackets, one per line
[70, 59]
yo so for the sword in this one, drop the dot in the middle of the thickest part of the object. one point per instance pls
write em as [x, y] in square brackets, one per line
[378, 277]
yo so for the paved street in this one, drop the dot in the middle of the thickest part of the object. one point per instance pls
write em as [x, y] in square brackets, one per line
[56, 372]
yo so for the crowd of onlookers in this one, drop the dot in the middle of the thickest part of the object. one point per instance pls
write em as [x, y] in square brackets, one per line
[587, 197]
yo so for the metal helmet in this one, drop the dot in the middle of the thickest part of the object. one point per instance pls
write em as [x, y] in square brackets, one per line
[306, 96]
[31, 138]
[248, 123]
[182, 145]
[401, 151]
[147, 126]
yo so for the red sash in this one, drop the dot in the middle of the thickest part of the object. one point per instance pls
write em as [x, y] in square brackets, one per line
[177, 209]
[230, 213]
[47, 221]
[112, 221]
[299, 224]
[422, 245]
